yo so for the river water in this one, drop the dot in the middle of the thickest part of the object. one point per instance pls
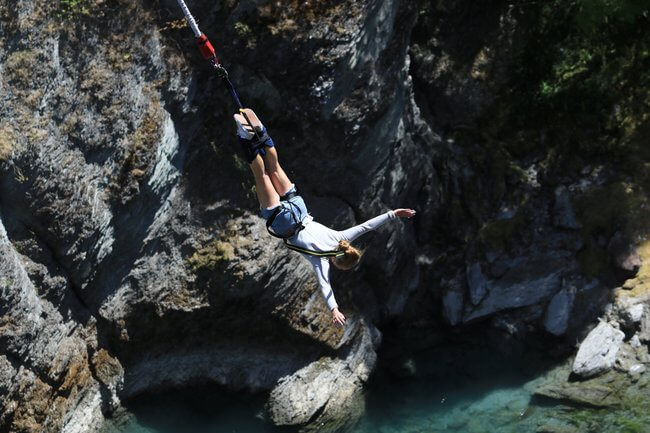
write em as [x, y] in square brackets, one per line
[464, 388]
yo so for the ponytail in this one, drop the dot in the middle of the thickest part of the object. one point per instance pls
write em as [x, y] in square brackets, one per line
[350, 258]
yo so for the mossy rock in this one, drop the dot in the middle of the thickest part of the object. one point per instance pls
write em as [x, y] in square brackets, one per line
[499, 234]
[212, 257]
[593, 259]
[7, 139]
[620, 205]
[21, 68]
[639, 286]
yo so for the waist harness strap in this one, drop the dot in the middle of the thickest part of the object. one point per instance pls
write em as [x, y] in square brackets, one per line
[297, 220]
[336, 253]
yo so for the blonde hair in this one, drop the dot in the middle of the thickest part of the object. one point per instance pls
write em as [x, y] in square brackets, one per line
[350, 258]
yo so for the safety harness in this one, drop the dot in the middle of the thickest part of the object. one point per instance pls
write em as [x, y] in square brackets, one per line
[208, 52]
[335, 253]
[285, 203]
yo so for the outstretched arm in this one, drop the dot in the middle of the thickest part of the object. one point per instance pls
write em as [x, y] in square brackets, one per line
[373, 224]
[322, 268]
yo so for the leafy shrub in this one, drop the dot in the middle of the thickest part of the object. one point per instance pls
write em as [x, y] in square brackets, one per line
[70, 8]
[594, 13]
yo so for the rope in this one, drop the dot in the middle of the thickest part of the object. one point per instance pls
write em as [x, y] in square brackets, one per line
[190, 19]
[208, 53]
[235, 96]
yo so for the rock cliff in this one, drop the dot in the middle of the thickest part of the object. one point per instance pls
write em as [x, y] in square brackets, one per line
[132, 254]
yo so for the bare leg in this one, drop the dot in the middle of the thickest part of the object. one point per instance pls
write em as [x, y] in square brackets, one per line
[278, 177]
[266, 194]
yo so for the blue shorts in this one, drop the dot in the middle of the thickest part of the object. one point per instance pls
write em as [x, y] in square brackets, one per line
[292, 211]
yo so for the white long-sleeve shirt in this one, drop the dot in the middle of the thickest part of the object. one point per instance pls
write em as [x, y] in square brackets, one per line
[317, 237]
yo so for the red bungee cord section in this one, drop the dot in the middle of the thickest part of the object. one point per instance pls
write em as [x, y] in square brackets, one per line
[208, 52]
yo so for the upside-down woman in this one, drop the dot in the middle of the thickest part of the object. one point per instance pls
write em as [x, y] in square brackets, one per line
[286, 214]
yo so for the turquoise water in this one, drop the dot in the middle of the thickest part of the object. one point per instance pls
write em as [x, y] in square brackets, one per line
[459, 388]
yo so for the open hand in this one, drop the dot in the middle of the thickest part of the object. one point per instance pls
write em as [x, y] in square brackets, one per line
[404, 213]
[338, 317]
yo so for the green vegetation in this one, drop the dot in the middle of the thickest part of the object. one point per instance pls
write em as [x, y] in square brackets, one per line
[71, 8]
[215, 263]
[604, 211]
[212, 257]
[618, 206]
[242, 29]
[499, 234]
[592, 14]
[585, 76]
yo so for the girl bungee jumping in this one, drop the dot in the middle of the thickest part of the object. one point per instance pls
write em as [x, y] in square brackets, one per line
[287, 217]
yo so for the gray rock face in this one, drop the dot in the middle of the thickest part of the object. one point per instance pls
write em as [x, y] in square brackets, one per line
[477, 283]
[594, 395]
[453, 307]
[526, 284]
[624, 256]
[633, 314]
[132, 253]
[637, 370]
[328, 386]
[644, 328]
[132, 256]
[563, 214]
[558, 312]
[597, 353]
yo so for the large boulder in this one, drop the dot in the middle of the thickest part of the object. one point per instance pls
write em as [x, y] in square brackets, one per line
[624, 256]
[597, 353]
[324, 392]
[477, 283]
[593, 395]
[529, 283]
[558, 312]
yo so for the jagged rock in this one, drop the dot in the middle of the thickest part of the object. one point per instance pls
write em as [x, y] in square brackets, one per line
[644, 328]
[325, 388]
[529, 283]
[477, 283]
[600, 391]
[637, 370]
[624, 256]
[594, 395]
[558, 312]
[632, 315]
[563, 214]
[452, 302]
[134, 257]
[7, 373]
[453, 298]
[597, 353]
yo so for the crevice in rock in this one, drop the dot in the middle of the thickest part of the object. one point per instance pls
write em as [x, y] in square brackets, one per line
[16, 362]
[104, 392]
[74, 289]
